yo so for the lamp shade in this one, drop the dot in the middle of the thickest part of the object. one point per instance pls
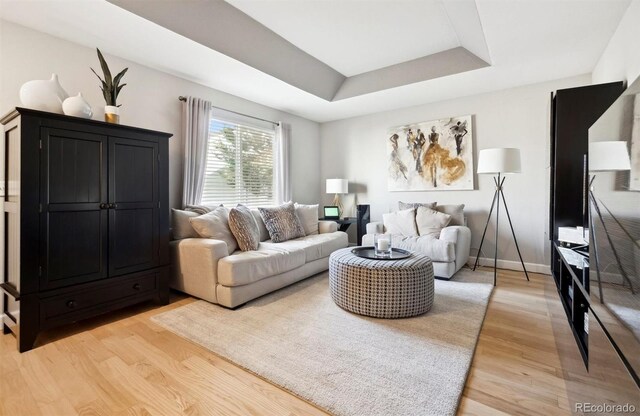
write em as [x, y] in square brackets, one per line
[504, 160]
[337, 186]
[608, 156]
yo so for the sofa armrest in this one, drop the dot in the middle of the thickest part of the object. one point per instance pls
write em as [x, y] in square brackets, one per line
[325, 227]
[375, 228]
[195, 266]
[461, 237]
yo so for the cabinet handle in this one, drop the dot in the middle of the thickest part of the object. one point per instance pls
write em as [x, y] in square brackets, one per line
[71, 304]
[113, 206]
[136, 286]
[104, 206]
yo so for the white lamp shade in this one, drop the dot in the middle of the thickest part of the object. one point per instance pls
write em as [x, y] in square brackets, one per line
[337, 186]
[608, 156]
[504, 160]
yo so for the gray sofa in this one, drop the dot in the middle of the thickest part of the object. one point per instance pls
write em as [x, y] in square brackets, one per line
[205, 269]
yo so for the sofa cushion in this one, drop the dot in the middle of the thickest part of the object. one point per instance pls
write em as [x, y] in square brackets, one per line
[456, 212]
[315, 246]
[215, 225]
[245, 267]
[264, 233]
[201, 209]
[244, 228]
[308, 215]
[401, 222]
[431, 222]
[408, 205]
[181, 226]
[282, 222]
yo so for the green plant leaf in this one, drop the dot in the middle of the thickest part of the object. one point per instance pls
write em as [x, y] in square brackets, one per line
[105, 69]
[118, 89]
[101, 80]
[118, 77]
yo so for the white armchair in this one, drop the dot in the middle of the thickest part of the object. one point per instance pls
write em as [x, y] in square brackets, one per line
[448, 253]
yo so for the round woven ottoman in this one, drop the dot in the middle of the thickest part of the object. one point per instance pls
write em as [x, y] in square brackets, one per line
[381, 288]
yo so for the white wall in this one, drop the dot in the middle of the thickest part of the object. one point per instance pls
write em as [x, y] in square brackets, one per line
[150, 99]
[621, 58]
[356, 149]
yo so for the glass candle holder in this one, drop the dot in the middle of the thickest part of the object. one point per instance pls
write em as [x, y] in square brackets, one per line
[382, 245]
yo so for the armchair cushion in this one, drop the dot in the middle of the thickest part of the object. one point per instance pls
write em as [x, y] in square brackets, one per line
[401, 222]
[456, 212]
[431, 222]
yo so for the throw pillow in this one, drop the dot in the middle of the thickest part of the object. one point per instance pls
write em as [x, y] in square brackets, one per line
[408, 205]
[201, 209]
[282, 222]
[308, 215]
[264, 233]
[456, 212]
[215, 224]
[180, 225]
[244, 228]
[431, 222]
[401, 222]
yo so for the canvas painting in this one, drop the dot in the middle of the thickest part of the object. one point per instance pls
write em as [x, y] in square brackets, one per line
[431, 156]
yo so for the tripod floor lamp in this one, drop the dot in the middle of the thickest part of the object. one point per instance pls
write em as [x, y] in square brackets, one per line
[499, 162]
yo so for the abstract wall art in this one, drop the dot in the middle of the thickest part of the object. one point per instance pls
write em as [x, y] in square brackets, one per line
[431, 156]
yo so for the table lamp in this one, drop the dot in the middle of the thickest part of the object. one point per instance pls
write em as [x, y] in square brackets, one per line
[499, 162]
[337, 187]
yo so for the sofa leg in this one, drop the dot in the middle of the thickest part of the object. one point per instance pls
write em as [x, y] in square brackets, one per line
[235, 307]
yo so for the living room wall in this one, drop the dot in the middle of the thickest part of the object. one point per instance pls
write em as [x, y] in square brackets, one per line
[356, 149]
[150, 99]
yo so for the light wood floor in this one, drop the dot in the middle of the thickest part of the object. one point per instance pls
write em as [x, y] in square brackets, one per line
[124, 364]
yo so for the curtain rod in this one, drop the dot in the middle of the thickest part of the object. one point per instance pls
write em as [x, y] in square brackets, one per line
[181, 98]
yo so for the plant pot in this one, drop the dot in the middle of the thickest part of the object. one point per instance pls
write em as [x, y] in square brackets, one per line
[111, 114]
[77, 106]
[44, 95]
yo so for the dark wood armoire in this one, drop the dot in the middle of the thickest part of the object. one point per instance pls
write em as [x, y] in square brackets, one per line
[85, 219]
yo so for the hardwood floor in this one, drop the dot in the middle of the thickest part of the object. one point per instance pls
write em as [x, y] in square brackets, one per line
[124, 364]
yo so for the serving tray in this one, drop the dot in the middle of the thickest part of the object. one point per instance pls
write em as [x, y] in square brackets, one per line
[369, 253]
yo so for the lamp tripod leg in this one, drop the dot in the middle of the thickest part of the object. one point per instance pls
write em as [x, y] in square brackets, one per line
[613, 248]
[495, 255]
[493, 203]
[593, 243]
[504, 201]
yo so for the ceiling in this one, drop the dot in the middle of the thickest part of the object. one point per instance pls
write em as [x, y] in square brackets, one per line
[332, 59]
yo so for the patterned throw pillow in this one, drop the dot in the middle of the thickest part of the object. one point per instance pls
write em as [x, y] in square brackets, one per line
[282, 222]
[244, 228]
[215, 225]
[408, 205]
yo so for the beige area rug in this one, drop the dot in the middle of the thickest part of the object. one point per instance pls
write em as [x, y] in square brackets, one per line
[347, 364]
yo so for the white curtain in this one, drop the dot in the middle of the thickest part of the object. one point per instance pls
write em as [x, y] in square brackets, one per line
[282, 163]
[196, 115]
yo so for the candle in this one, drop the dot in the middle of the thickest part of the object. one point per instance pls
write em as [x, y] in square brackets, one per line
[383, 244]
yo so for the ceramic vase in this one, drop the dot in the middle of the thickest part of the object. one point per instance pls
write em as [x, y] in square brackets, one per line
[77, 106]
[44, 95]
[111, 114]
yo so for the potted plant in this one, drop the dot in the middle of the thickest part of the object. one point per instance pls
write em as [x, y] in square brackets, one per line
[110, 90]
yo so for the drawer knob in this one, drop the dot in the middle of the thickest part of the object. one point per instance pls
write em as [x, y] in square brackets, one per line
[71, 304]
[136, 286]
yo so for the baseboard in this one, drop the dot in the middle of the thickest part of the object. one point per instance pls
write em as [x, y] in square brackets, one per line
[512, 265]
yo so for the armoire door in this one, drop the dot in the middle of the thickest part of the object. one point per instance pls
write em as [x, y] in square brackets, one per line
[134, 205]
[74, 215]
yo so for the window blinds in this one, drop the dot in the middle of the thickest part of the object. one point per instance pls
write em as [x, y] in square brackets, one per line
[239, 165]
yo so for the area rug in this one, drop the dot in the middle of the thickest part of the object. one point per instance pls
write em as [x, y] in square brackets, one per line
[347, 364]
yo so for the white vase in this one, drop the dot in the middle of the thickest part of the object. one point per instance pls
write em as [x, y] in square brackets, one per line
[77, 106]
[45, 95]
[111, 114]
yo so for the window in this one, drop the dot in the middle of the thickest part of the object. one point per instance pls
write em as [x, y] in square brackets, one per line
[239, 164]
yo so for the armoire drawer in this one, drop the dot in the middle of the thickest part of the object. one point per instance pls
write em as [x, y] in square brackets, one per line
[72, 303]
